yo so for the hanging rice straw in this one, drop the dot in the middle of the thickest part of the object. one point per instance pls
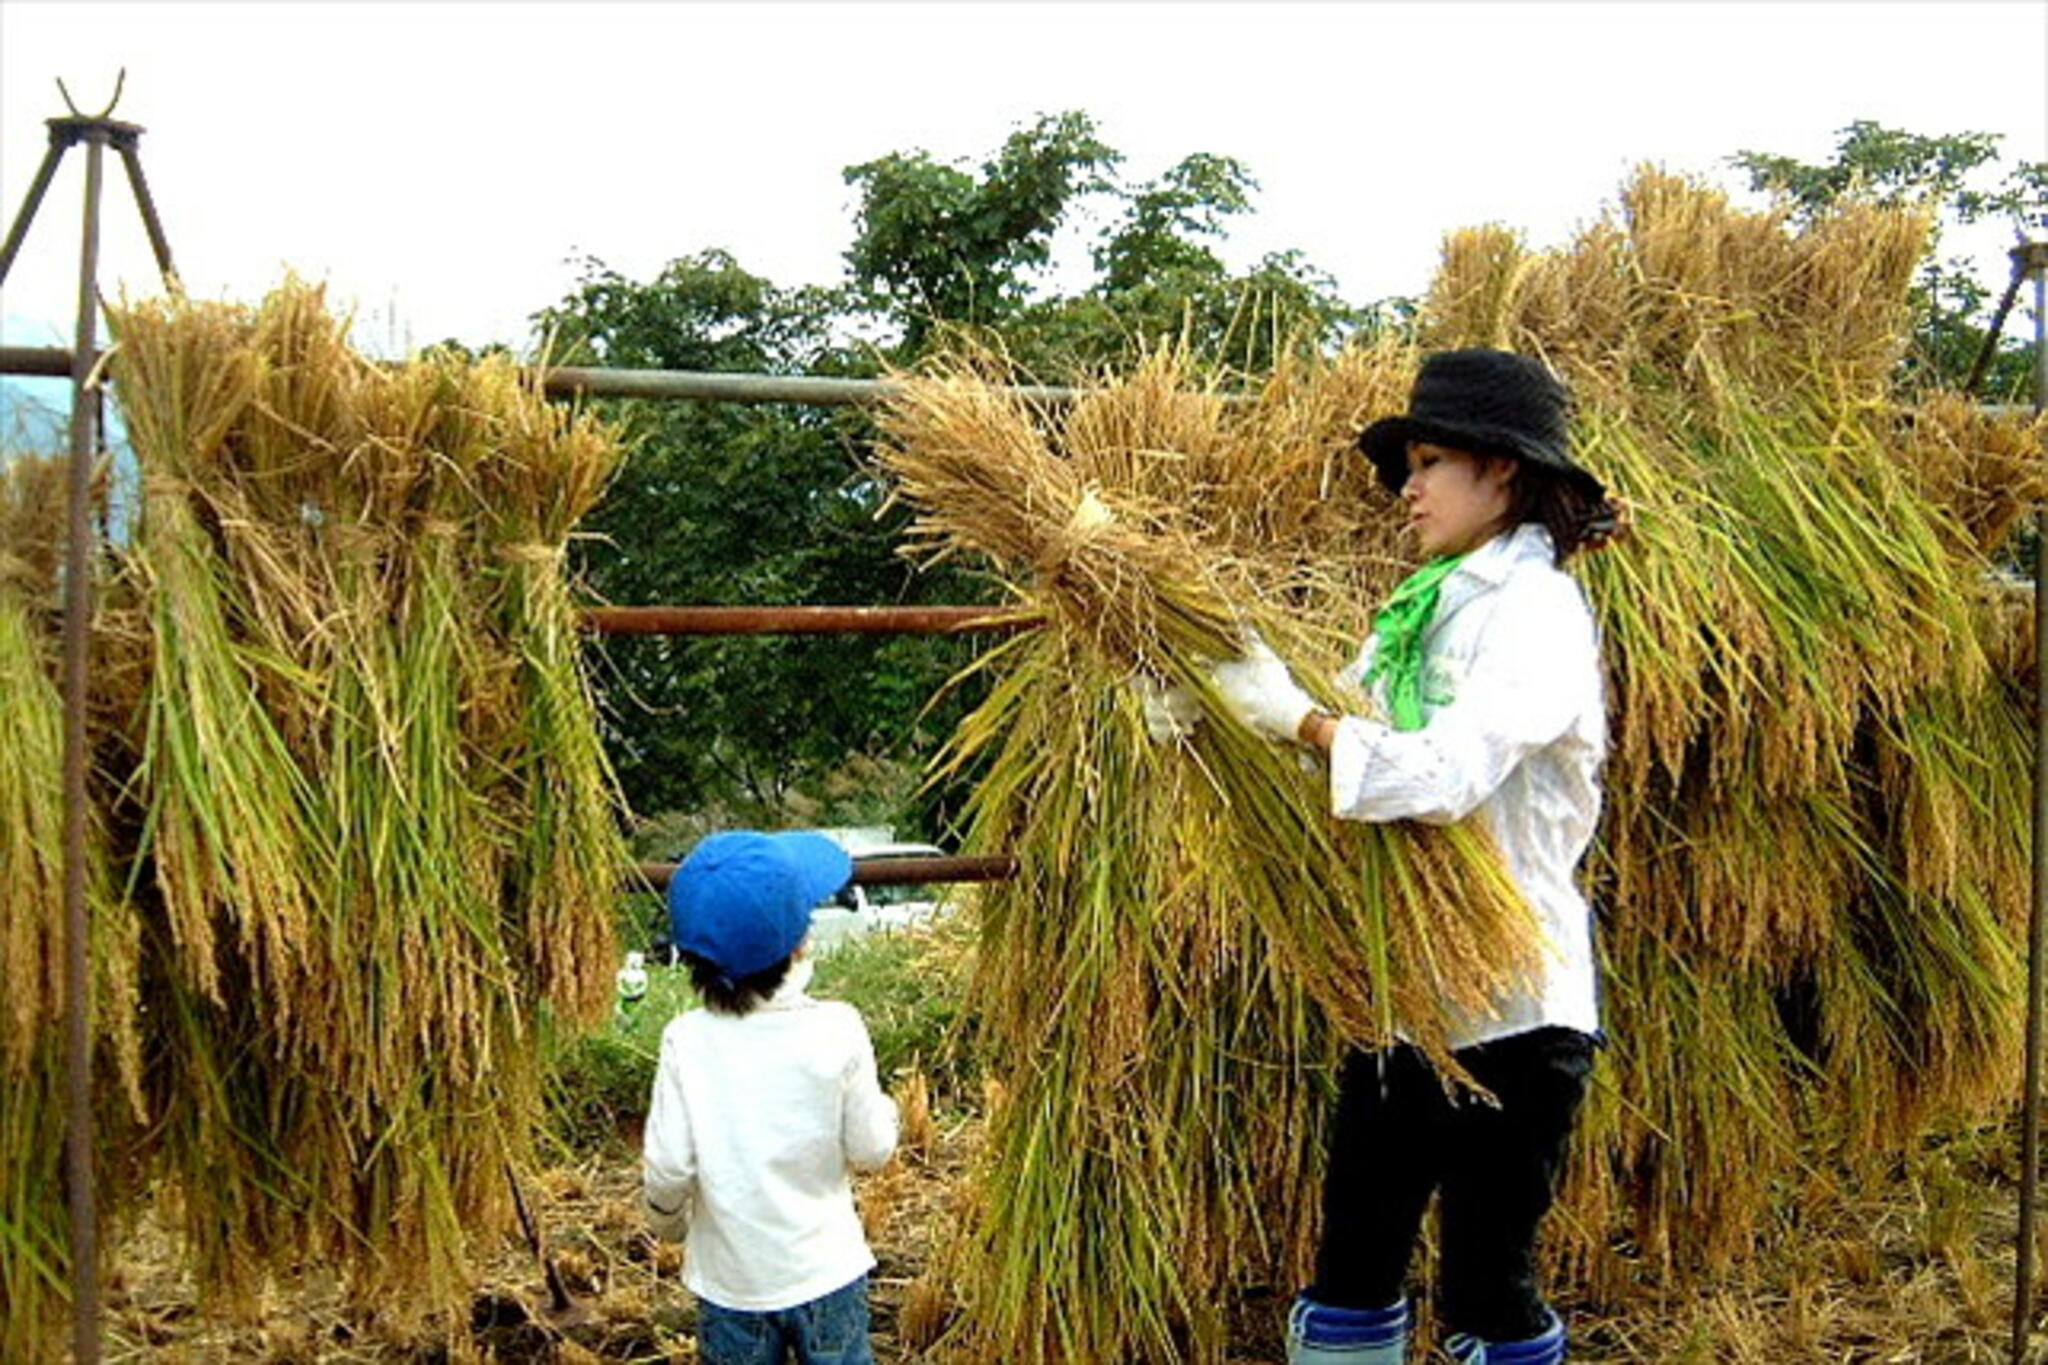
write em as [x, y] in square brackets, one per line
[1809, 879]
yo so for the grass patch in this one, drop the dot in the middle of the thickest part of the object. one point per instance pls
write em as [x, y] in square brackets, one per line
[907, 987]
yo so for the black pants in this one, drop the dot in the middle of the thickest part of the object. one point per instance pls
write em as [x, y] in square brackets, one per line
[1400, 1136]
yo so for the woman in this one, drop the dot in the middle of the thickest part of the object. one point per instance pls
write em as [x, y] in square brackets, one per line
[1485, 669]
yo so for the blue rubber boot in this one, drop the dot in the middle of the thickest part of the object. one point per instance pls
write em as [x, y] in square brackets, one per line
[1545, 1348]
[1318, 1334]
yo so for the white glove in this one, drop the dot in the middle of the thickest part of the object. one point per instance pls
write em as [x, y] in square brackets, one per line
[1171, 713]
[1261, 693]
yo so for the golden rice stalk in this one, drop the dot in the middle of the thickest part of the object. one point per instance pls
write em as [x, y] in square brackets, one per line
[381, 828]
[1131, 593]
[228, 812]
[1811, 867]
[1810, 875]
[31, 758]
[1986, 471]
[1213, 933]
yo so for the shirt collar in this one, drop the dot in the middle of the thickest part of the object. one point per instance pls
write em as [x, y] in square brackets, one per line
[790, 994]
[1490, 565]
[1492, 562]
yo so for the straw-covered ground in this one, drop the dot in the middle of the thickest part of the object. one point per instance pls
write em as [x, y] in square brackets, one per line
[1915, 1273]
[1914, 1268]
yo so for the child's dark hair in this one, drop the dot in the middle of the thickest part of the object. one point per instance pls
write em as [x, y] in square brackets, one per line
[726, 994]
[1576, 518]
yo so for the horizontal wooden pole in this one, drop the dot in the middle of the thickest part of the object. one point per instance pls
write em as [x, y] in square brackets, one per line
[803, 620]
[51, 361]
[708, 386]
[872, 872]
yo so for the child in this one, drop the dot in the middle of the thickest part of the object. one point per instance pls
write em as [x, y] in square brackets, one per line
[763, 1101]
[1485, 667]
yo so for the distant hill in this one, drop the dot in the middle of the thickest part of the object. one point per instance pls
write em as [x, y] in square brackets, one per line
[35, 419]
[35, 415]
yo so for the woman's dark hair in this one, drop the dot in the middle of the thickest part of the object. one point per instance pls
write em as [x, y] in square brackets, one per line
[724, 994]
[1576, 518]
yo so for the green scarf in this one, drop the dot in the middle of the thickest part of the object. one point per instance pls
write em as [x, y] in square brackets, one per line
[1398, 626]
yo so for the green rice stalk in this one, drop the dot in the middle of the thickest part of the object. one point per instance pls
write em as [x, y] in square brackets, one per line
[35, 1271]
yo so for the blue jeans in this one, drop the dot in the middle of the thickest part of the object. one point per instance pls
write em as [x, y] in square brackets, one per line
[831, 1329]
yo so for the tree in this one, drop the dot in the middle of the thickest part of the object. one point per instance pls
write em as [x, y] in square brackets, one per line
[1952, 172]
[773, 504]
[756, 505]
[940, 244]
[1168, 223]
[1158, 278]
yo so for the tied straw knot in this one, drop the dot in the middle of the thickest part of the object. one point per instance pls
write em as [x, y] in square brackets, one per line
[1090, 519]
[532, 552]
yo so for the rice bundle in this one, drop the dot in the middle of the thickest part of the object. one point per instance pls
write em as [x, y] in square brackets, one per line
[382, 832]
[33, 1221]
[373, 840]
[1189, 933]
[1811, 875]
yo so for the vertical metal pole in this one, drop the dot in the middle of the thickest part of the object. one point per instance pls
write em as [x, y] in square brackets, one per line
[2033, 257]
[78, 562]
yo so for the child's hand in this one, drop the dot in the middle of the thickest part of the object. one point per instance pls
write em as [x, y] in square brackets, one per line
[669, 1226]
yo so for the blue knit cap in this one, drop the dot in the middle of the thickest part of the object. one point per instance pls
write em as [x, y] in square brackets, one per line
[742, 900]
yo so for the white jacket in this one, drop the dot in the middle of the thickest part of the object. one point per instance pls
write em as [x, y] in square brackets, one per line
[1515, 732]
[755, 1122]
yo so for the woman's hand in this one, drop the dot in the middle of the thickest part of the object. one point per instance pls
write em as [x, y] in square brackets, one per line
[1261, 693]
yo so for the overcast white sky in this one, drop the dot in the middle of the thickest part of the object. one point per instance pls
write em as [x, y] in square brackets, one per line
[439, 164]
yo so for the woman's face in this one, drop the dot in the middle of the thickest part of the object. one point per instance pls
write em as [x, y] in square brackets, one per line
[1457, 501]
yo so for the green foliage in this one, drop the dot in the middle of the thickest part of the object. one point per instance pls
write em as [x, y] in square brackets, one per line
[938, 243]
[1239, 323]
[910, 989]
[745, 505]
[1165, 222]
[598, 1083]
[1889, 165]
[775, 504]
[1952, 172]
[907, 986]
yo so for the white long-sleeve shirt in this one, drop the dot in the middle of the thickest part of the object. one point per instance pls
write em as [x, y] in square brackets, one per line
[1515, 732]
[756, 1121]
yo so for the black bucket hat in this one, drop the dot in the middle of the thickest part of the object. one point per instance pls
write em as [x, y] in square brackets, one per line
[1487, 402]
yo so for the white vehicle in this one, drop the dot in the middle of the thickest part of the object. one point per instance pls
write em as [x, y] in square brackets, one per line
[865, 909]
[858, 909]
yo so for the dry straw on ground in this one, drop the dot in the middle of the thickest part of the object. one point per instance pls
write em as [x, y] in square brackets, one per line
[1810, 877]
